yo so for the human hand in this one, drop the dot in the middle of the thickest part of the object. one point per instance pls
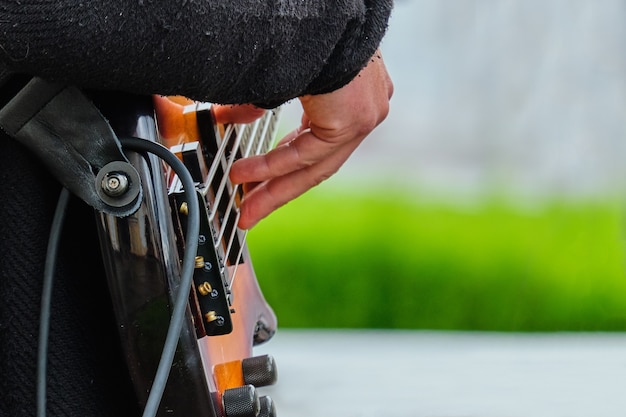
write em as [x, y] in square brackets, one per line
[333, 125]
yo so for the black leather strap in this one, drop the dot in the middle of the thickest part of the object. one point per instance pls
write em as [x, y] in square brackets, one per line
[71, 137]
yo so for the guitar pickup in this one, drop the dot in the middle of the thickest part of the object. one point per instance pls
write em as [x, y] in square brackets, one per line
[190, 153]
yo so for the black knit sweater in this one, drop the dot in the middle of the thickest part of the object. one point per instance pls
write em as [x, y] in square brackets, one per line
[224, 51]
[235, 51]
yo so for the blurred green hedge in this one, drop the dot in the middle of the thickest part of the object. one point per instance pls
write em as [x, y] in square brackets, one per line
[335, 259]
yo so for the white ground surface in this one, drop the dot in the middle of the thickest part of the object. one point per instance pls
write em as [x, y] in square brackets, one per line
[441, 374]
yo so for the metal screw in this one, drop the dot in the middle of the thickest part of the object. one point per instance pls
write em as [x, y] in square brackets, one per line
[115, 184]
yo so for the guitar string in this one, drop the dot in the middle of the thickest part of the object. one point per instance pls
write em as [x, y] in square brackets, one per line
[228, 164]
[217, 159]
[235, 188]
[246, 136]
[263, 140]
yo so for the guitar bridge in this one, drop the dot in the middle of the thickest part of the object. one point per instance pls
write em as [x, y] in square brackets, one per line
[210, 299]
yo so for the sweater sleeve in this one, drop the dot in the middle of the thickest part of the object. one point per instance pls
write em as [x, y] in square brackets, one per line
[224, 51]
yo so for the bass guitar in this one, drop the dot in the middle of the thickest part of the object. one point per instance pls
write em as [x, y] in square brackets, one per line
[185, 296]
[214, 372]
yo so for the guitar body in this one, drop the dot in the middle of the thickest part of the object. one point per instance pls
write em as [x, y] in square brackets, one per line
[214, 373]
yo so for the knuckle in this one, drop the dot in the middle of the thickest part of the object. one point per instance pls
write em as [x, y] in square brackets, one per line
[322, 176]
[368, 122]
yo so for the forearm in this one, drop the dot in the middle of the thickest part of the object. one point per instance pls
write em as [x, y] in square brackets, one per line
[234, 51]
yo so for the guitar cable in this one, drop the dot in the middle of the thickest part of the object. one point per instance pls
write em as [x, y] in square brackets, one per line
[46, 297]
[180, 300]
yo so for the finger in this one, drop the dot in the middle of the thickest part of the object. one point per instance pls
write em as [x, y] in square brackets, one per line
[291, 135]
[249, 186]
[274, 193]
[304, 150]
[241, 113]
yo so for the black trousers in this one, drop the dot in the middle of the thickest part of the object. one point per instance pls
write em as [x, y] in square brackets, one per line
[86, 370]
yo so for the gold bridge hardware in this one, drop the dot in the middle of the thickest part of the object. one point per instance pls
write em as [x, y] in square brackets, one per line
[205, 288]
[199, 262]
[210, 316]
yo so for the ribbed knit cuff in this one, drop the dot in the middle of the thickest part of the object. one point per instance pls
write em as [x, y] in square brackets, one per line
[360, 41]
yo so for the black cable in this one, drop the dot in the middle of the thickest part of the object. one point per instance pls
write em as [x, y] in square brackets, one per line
[46, 296]
[188, 263]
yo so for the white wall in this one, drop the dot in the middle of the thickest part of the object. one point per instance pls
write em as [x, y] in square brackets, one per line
[527, 94]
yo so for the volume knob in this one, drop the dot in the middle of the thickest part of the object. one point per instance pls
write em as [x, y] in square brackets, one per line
[259, 371]
[241, 402]
[267, 407]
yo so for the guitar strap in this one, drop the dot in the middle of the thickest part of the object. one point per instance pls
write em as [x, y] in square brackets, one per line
[71, 137]
[87, 371]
